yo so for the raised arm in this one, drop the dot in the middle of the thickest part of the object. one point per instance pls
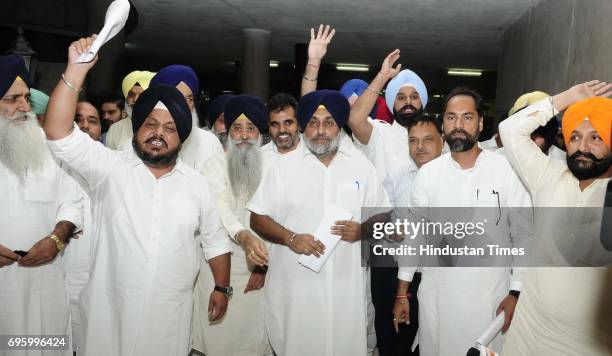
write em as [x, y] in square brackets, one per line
[317, 48]
[530, 163]
[358, 119]
[62, 103]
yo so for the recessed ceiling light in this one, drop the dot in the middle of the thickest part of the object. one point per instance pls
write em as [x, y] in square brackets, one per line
[465, 72]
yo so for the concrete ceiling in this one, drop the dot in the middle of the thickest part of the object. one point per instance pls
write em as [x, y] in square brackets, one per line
[430, 33]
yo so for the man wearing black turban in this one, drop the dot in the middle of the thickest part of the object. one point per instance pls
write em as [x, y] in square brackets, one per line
[14, 86]
[151, 215]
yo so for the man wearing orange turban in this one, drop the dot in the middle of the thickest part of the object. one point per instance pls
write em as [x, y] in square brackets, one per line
[559, 309]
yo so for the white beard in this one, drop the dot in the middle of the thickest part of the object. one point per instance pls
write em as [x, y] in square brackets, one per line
[244, 169]
[23, 147]
[321, 150]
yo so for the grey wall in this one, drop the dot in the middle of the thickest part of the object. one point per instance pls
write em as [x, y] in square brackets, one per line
[556, 44]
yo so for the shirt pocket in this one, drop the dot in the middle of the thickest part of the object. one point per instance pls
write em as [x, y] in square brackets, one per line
[488, 206]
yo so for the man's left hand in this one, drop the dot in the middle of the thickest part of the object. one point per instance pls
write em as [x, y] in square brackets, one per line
[217, 305]
[257, 280]
[507, 306]
[42, 252]
[349, 231]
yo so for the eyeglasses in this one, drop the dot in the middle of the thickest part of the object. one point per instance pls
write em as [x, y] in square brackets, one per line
[326, 124]
[240, 129]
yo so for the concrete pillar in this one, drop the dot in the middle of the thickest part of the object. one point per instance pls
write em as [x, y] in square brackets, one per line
[255, 73]
[105, 77]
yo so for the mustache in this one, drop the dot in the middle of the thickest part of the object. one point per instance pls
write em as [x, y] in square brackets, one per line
[588, 155]
[152, 138]
[408, 106]
[455, 131]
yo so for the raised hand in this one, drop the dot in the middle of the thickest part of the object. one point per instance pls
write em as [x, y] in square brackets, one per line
[591, 89]
[387, 69]
[580, 92]
[75, 50]
[317, 48]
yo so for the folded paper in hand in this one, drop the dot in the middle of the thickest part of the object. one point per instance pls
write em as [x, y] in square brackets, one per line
[116, 16]
[323, 233]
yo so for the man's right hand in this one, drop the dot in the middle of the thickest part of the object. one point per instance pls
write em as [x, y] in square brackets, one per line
[305, 244]
[317, 48]
[74, 52]
[401, 312]
[7, 257]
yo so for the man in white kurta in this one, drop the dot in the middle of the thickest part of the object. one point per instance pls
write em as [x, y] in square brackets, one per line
[151, 214]
[562, 311]
[233, 178]
[201, 144]
[457, 304]
[425, 142]
[309, 313]
[39, 202]
[386, 146]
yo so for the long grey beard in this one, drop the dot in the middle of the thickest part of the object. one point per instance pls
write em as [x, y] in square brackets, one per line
[244, 169]
[22, 144]
[322, 150]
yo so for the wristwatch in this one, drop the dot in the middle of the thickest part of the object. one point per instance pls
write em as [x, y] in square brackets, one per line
[227, 291]
[58, 243]
[515, 293]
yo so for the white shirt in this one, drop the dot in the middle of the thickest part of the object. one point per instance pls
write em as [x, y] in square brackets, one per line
[139, 298]
[119, 133]
[245, 317]
[34, 300]
[490, 144]
[561, 309]
[388, 148]
[399, 188]
[457, 304]
[308, 313]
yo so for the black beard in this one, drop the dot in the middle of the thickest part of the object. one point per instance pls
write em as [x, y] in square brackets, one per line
[405, 119]
[598, 166]
[460, 144]
[157, 161]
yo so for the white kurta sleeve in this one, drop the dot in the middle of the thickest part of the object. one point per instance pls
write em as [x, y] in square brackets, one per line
[370, 147]
[521, 227]
[70, 206]
[89, 158]
[212, 234]
[215, 172]
[530, 163]
[265, 198]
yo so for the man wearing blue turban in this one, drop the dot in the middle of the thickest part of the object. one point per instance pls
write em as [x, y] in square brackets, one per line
[386, 146]
[201, 145]
[334, 179]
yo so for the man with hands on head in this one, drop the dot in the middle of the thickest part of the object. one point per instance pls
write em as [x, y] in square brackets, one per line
[152, 213]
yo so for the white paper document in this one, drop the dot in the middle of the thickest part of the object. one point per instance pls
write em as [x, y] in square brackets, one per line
[323, 233]
[116, 17]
